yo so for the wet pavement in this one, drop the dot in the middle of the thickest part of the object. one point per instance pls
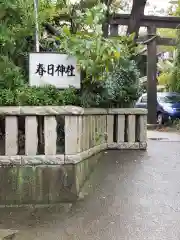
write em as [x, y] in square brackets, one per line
[133, 195]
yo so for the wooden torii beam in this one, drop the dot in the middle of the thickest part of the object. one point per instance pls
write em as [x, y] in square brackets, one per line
[152, 23]
[147, 21]
[159, 40]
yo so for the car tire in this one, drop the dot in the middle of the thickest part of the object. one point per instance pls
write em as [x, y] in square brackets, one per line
[160, 119]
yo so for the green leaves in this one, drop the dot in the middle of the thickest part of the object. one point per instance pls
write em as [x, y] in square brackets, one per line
[95, 54]
[98, 57]
[173, 77]
[121, 85]
[32, 96]
[91, 18]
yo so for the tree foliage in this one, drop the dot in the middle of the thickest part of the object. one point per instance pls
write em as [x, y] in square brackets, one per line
[16, 37]
[174, 81]
[78, 33]
[175, 77]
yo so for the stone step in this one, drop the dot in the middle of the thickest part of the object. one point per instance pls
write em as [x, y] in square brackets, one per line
[7, 234]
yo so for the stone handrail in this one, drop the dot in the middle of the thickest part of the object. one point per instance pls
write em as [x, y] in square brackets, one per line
[66, 110]
[86, 132]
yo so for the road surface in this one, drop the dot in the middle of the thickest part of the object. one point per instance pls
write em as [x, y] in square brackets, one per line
[133, 195]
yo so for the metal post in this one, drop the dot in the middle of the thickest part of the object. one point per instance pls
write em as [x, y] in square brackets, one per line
[37, 49]
[36, 25]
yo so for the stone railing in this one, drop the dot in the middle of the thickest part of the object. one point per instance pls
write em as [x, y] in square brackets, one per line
[55, 148]
[84, 132]
[94, 130]
[130, 128]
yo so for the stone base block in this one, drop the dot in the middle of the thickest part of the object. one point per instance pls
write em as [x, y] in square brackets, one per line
[50, 180]
[128, 145]
[44, 184]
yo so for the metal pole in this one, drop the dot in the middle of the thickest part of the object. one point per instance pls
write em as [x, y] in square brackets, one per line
[37, 50]
[36, 25]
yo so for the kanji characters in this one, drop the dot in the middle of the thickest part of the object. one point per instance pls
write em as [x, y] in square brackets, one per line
[40, 69]
[52, 70]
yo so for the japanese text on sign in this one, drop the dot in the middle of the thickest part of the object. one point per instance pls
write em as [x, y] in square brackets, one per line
[55, 69]
[58, 70]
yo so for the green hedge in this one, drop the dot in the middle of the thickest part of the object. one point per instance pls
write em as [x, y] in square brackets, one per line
[32, 96]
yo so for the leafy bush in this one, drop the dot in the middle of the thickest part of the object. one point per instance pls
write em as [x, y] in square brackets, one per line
[11, 75]
[175, 77]
[32, 96]
[174, 83]
[165, 79]
[95, 54]
[122, 87]
[110, 79]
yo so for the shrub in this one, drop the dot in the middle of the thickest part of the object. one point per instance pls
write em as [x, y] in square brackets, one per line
[121, 87]
[165, 79]
[33, 96]
[107, 81]
[174, 83]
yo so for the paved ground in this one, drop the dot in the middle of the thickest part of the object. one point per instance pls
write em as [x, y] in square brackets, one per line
[137, 197]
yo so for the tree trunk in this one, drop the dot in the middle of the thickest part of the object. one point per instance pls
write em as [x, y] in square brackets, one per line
[105, 25]
[136, 13]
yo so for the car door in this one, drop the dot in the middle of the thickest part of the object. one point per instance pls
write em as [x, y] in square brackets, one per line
[142, 102]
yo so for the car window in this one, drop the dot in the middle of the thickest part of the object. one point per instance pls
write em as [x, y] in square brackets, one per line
[170, 99]
[144, 99]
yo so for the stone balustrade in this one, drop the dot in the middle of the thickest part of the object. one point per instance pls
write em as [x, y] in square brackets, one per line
[66, 140]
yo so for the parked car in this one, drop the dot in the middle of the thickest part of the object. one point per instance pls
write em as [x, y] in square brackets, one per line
[168, 105]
